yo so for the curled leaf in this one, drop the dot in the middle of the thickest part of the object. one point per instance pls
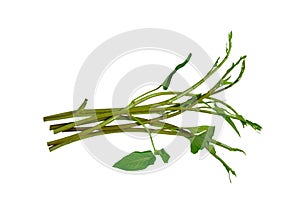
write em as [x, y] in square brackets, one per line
[167, 81]
[164, 155]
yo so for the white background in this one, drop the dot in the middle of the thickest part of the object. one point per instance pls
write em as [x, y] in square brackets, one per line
[42, 47]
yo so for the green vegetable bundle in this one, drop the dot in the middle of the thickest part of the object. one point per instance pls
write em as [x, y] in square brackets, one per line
[200, 137]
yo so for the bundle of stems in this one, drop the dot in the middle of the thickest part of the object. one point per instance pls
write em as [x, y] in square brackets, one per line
[201, 137]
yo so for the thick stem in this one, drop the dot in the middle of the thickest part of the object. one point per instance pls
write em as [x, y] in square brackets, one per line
[75, 137]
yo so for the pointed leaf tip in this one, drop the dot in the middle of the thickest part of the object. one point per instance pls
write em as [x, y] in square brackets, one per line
[136, 161]
[164, 155]
[167, 81]
[230, 34]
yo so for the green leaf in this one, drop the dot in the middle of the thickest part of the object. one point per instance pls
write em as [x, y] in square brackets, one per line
[239, 117]
[136, 161]
[167, 81]
[255, 126]
[202, 141]
[221, 111]
[246, 122]
[226, 81]
[229, 121]
[216, 63]
[212, 151]
[164, 155]
[225, 146]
